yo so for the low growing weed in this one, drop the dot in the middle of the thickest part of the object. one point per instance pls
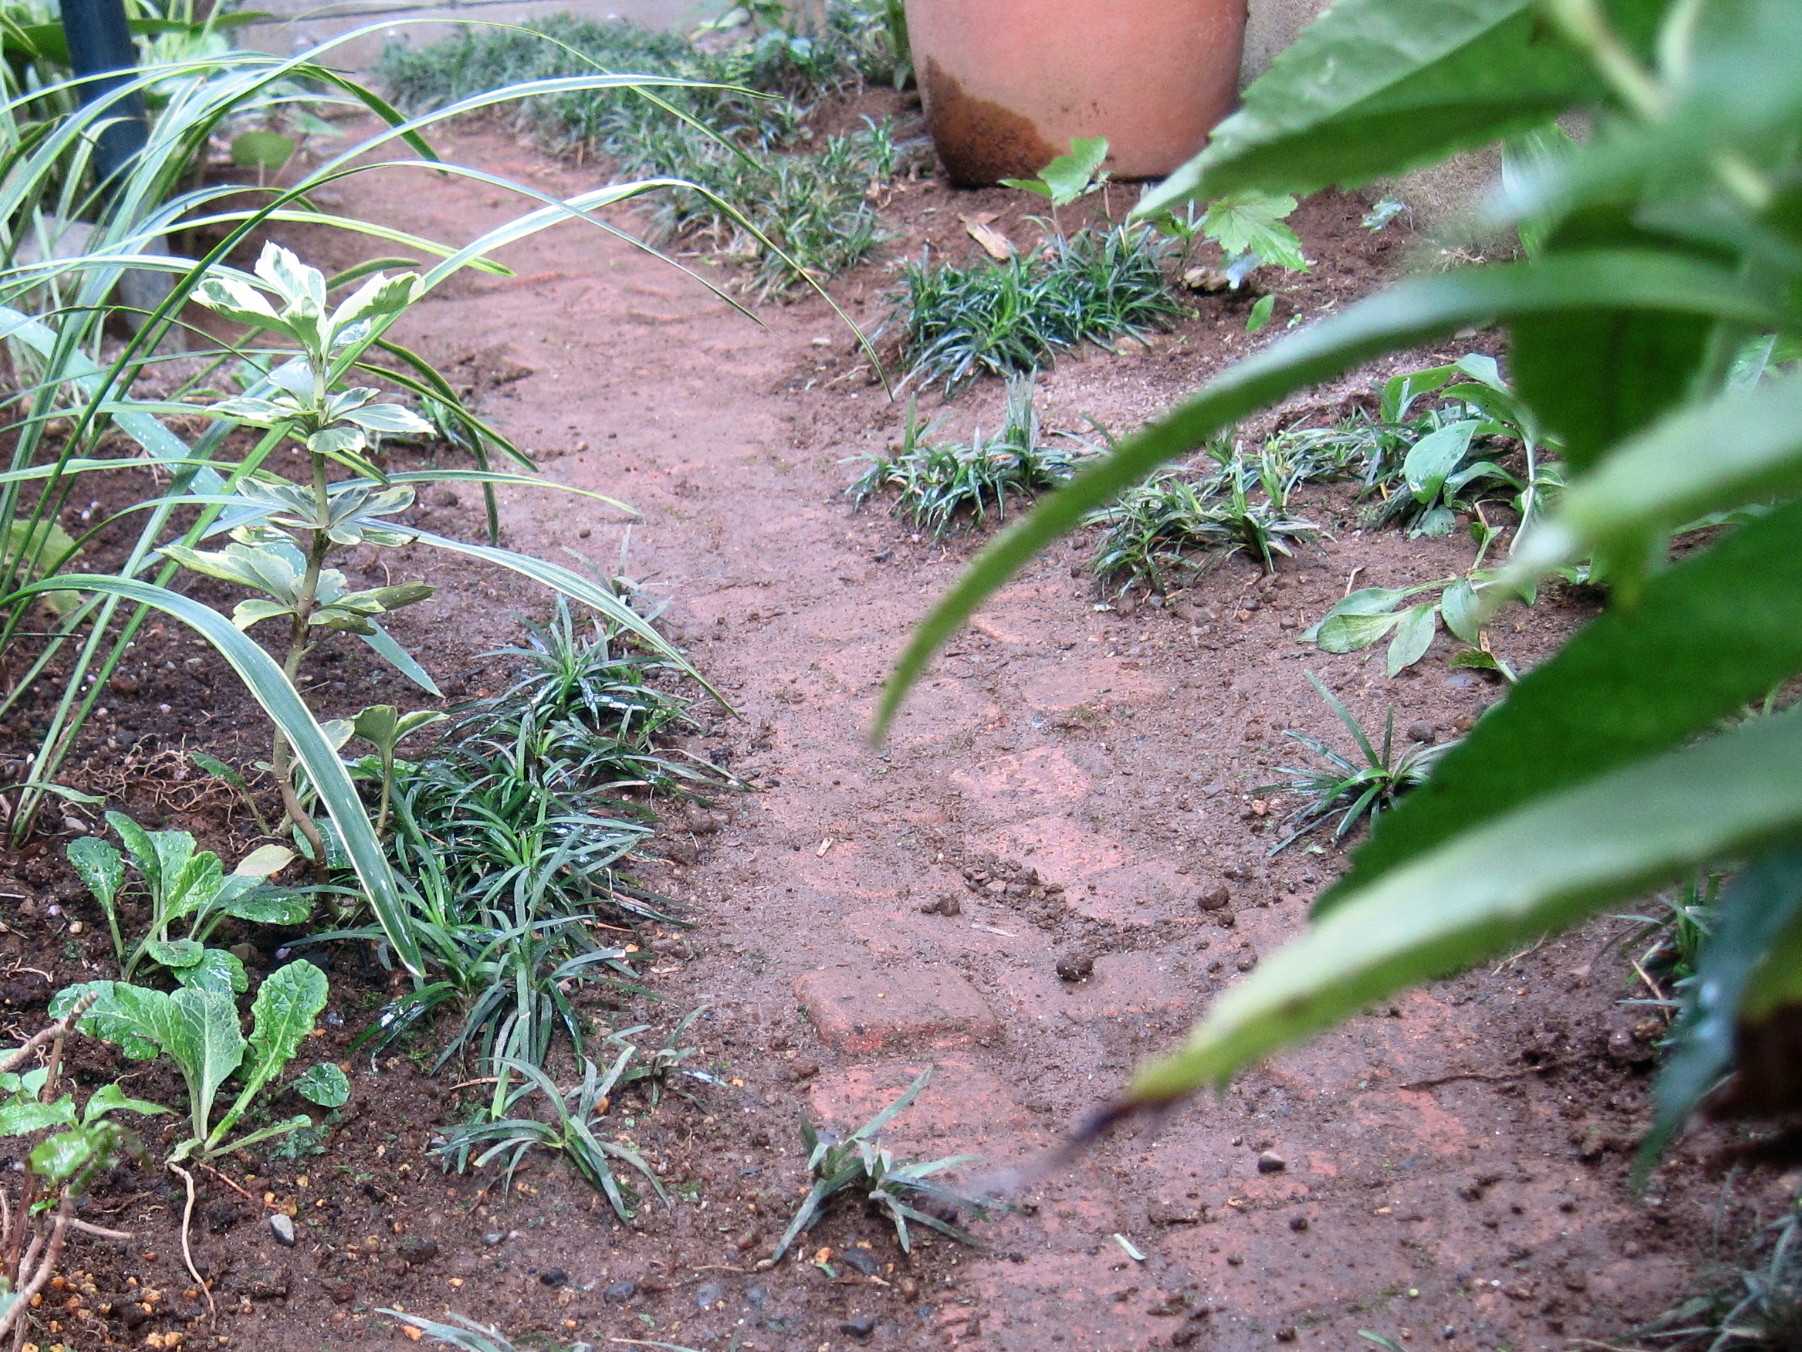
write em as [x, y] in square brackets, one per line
[1013, 318]
[1354, 787]
[572, 1133]
[858, 1163]
[938, 483]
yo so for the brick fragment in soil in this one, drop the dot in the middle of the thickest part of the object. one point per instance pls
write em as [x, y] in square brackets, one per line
[903, 1008]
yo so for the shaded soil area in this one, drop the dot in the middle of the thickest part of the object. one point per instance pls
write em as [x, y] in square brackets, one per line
[1059, 857]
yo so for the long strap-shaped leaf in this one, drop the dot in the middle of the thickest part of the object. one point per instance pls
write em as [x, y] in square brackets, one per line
[279, 699]
[1520, 875]
[1414, 311]
[577, 588]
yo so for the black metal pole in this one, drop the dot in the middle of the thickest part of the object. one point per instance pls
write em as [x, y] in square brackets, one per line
[100, 44]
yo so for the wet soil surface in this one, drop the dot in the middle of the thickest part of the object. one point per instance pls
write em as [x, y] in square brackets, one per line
[1058, 858]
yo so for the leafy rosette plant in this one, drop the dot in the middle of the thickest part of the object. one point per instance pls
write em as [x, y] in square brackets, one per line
[197, 1028]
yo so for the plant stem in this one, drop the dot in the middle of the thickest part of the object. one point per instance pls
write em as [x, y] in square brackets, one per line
[279, 758]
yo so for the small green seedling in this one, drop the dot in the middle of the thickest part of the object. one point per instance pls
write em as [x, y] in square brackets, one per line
[187, 888]
[1070, 177]
[859, 1163]
[384, 727]
[1357, 789]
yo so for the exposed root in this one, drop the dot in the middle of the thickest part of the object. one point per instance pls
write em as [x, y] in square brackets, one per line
[187, 1252]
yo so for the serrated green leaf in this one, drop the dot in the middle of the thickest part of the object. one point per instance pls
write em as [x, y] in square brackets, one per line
[324, 1084]
[1511, 877]
[1251, 222]
[287, 1004]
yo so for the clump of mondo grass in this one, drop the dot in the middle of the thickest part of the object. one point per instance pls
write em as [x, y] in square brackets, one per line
[1008, 319]
[937, 483]
[1178, 523]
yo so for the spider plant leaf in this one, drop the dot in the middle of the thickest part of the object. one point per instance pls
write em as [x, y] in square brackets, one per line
[1412, 311]
[283, 704]
[869, 1129]
[804, 1216]
[1530, 867]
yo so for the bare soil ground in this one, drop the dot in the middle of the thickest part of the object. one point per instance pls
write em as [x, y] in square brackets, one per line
[1073, 785]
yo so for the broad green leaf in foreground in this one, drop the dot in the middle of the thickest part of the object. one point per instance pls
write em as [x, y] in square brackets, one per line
[1507, 881]
[1410, 312]
[1658, 481]
[1377, 87]
[1717, 630]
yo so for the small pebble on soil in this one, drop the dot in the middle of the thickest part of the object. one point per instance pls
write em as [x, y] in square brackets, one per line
[1269, 1162]
[283, 1227]
[1076, 966]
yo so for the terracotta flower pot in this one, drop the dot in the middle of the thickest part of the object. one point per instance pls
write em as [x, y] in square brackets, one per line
[1008, 83]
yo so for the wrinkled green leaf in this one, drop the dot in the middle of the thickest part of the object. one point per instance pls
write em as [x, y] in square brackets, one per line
[324, 1084]
[22, 1117]
[217, 970]
[100, 867]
